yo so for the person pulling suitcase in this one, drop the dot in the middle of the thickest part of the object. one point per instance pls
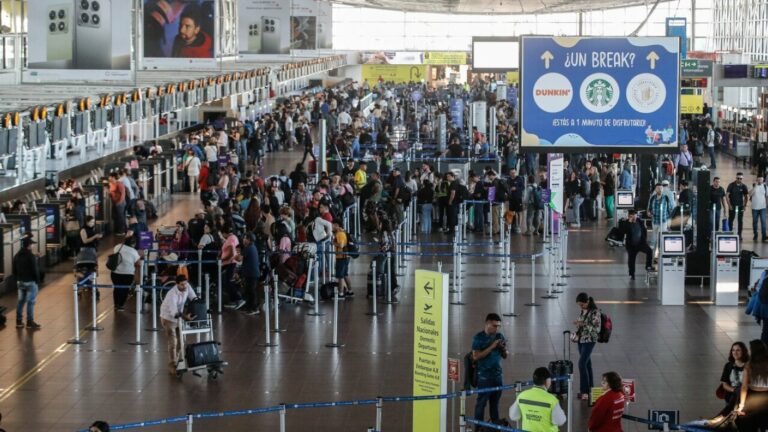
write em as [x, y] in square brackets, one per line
[171, 310]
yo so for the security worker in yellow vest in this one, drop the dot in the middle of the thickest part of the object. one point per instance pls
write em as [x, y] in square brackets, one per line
[539, 410]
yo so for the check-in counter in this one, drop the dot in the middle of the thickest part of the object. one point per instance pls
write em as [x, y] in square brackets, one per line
[54, 211]
[33, 223]
[10, 234]
[94, 202]
[153, 188]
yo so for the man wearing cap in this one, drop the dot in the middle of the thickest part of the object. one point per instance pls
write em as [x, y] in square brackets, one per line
[737, 195]
[27, 275]
[538, 409]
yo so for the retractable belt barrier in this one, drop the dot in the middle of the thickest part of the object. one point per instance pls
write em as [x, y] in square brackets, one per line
[378, 402]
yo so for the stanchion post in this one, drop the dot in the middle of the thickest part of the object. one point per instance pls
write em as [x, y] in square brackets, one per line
[533, 282]
[207, 292]
[550, 283]
[569, 407]
[282, 407]
[388, 277]
[316, 307]
[76, 340]
[276, 298]
[190, 421]
[335, 343]
[374, 292]
[379, 412]
[94, 323]
[458, 282]
[153, 280]
[267, 333]
[462, 423]
[138, 341]
[219, 287]
[199, 270]
[511, 312]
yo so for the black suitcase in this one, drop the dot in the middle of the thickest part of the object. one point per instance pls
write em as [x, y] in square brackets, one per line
[745, 266]
[615, 237]
[327, 289]
[202, 354]
[564, 367]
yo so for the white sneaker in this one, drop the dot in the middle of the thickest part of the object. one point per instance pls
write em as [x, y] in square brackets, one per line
[239, 304]
[308, 297]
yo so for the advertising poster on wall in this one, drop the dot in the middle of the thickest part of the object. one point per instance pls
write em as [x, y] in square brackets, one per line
[579, 93]
[392, 57]
[304, 25]
[179, 33]
[398, 74]
[79, 40]
[324, 25]
[264, 26]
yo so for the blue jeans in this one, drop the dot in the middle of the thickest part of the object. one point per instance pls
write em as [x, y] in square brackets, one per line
[27, 295]
[711, 151]
[492, 398]
[426, 218]
[758, 214]
[586, 378]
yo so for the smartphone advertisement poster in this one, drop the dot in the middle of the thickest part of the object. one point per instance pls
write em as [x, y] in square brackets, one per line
[79, 40]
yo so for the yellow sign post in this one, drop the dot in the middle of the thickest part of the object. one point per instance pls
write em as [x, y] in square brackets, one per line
[430, 349]
[691, 104]
[399, 74]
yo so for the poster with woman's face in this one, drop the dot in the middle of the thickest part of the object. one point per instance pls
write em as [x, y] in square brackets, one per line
[303, 32]
[179, 29]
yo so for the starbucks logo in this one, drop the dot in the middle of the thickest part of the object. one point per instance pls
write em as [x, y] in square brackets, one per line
[599, 93]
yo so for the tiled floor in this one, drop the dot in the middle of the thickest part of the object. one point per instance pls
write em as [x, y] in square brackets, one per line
[676, 354]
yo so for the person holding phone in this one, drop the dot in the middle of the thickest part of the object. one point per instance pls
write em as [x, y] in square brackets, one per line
[489, 347]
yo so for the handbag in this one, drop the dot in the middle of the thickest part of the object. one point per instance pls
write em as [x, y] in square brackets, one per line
[720, 392]
[114, 259]
[728, 423]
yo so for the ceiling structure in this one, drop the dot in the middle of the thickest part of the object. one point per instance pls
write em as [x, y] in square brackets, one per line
[492, 6]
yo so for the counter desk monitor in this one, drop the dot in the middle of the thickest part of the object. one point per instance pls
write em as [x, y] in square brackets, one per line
[727, 245]
[672, 245]
[625, 199]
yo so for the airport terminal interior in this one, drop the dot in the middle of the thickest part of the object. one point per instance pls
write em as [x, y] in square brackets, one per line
[358, 215]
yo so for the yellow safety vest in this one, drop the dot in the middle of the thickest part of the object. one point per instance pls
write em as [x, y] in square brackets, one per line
[536, 406]
[361, 178]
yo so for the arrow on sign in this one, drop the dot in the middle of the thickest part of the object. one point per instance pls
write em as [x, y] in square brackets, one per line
[428, 289]
[652, 57]
[547, 57]
[427, 308]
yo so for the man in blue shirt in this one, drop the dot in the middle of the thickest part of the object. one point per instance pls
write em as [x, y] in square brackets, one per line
[488, 348]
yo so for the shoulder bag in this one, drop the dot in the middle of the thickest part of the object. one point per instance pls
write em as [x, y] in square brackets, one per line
[114, 259]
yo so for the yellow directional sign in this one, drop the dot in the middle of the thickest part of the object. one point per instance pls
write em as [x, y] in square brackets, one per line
[399, 74]
[430, 349]
[691, 104]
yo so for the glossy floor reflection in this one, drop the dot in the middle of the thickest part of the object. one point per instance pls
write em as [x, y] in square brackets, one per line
[676, 354]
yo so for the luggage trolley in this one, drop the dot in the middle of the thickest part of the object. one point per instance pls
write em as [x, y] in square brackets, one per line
[202, 355]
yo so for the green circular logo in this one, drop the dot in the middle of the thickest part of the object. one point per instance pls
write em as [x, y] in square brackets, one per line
[599, 92]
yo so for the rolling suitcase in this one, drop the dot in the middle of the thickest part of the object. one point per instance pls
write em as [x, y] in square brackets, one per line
[615, 238]
[202, 354]
[562, 367]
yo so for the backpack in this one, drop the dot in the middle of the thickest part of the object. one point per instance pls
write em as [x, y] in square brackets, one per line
[279, 230]
[405, 195]
[536, 199]
[470, 372]
[606, 327]
[310, 230]
[463, 194]
[352, 249]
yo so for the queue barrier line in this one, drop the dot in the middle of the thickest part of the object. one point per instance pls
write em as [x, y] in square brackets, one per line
[283, 407]
[491, 425]
[659, 424]
[443, 254]
[162, 261]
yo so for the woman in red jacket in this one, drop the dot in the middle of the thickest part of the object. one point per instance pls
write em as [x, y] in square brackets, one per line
[608, 409]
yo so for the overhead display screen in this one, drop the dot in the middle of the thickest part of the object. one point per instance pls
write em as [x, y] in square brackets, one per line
[579, 93]
[495, 54]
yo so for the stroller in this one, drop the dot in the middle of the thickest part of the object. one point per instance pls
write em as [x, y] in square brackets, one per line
[86, 265]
